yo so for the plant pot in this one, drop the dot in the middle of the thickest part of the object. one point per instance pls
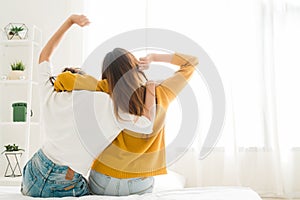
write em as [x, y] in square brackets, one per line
[16, 75]
[15, 36]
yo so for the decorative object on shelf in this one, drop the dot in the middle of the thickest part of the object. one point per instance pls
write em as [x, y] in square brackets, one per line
[3, 78]
[11, 148]
[16, 31]
[13, 154]
[20, 112]
[17, 72]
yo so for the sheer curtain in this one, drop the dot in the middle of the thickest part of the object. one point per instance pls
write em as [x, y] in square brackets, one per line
[254, 45]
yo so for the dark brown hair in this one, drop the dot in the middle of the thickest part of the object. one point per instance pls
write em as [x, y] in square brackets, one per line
[52, 79]
[120, 68]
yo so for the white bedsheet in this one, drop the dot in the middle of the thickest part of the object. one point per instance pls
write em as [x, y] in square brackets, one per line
[204, 193]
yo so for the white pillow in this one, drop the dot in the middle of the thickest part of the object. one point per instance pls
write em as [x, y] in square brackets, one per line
[170, 181]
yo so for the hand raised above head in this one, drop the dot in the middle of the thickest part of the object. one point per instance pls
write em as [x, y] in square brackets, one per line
[80, 20]
[145, 62]
[47, 51]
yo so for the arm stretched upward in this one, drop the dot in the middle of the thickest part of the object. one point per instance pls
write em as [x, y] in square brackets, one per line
[47, 51]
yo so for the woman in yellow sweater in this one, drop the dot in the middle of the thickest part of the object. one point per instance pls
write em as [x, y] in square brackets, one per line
[128, 164]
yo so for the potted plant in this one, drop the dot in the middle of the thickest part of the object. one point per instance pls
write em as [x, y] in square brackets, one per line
[12, 148]
[16, 31]
[17, 72]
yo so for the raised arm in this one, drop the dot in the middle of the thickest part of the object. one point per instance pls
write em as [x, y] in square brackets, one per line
[171, 87]
[153, 57]
[47, 51]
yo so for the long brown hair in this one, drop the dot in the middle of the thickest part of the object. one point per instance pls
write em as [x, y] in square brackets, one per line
[120, 68]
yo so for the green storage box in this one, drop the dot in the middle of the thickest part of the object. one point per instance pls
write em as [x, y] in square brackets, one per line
[19, 111]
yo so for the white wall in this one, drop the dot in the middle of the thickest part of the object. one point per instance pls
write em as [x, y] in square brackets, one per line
[48, 15]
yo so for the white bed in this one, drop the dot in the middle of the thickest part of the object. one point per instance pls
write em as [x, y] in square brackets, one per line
[166, 187]
[205, 193]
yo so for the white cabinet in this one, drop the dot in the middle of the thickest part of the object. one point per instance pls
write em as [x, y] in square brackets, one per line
[26, 134]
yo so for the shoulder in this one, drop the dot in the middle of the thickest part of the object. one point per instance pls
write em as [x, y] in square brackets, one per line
[45, 69]
[102, 97]
[45, 65]
[164, 95]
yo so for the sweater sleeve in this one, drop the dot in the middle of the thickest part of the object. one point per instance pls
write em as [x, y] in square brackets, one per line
[68, 81]
[171, 87]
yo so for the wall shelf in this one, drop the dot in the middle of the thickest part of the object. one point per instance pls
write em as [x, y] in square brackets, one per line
[17, 82]
[10, 181]
[26, 134]
[18, 123]
[12, 43]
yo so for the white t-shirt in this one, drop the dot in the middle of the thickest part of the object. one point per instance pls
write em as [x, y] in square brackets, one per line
[79, 125]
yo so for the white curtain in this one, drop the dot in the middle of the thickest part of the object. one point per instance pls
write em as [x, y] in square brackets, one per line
[254, 45]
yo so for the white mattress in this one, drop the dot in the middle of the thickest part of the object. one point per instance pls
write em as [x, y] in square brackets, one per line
[204, 193]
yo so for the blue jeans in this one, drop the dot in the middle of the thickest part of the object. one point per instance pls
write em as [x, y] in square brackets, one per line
[101, 184]
[43, 178]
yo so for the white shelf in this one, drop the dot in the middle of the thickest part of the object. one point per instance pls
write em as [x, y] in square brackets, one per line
[10, 181]
[27, 134]
[13, 43]
[17, 82]
[18, 123]
[13, 123]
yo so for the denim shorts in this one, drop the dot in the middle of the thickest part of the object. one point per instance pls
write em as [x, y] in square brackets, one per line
[43, 178]
[101, 184]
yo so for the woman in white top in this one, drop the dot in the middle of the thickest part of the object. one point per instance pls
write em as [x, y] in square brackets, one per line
[59, 167]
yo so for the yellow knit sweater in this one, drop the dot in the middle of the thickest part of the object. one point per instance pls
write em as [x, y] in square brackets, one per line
[132, 154]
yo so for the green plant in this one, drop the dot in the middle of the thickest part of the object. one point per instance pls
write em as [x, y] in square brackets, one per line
[18, 65]
[14, 30]
[10, 148]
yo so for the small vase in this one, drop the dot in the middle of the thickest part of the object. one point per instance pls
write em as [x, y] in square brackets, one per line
[16, 75]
